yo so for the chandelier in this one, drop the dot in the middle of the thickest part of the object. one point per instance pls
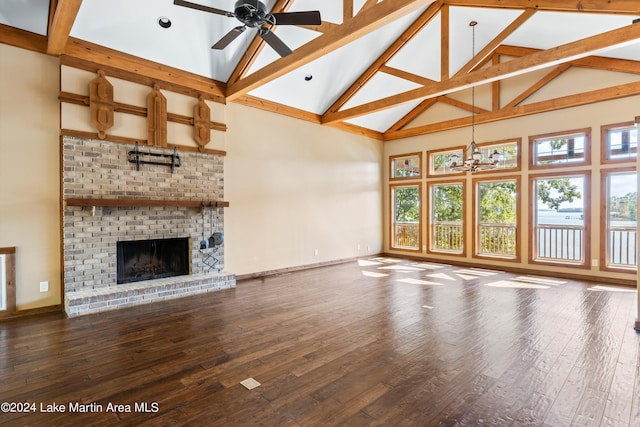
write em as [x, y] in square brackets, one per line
[474, 159]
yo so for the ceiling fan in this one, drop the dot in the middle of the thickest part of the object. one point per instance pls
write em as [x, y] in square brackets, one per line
[254, 14]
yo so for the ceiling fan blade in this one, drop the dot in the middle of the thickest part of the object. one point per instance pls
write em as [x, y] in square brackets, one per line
[298, 18]
[203, 8]
[275, 42]
[228, 38]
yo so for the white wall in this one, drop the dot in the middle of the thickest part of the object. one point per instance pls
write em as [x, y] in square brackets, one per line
[30, 172]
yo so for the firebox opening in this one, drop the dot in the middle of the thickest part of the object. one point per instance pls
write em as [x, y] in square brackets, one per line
[139, 260]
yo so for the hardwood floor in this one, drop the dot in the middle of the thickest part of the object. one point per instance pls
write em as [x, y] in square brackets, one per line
[377, 342]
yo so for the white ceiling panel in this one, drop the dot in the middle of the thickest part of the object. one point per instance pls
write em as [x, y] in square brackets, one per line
[421, 55]
[383, 120]
[28, 15]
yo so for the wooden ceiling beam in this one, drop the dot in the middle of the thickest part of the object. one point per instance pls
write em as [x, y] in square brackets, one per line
[81, 54]
[597, 62]
[408, 34]
[362, 24]
[536, 61]
[23, 39]
[412, 115]
[627, 7]
[484, 54]
[406, 75]
[538, 85]
[60, 25]
[477, 61]
[444, 43]
[255, 47]
[599, 95]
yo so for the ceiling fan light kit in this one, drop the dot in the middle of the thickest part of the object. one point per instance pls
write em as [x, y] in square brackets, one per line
[254, 14]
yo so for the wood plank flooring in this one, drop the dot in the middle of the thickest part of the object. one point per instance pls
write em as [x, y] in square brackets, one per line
[377, 342]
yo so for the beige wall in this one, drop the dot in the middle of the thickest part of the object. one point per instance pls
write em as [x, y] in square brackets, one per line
[295, 187]
[593, 116]
[30, 172]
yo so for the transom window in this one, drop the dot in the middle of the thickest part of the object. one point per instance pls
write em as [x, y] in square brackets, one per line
[439, 161]
[406, 166]
[619, 142]
[508, 151]
[560, 149]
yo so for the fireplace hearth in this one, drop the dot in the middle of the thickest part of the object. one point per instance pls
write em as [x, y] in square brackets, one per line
[139, 260]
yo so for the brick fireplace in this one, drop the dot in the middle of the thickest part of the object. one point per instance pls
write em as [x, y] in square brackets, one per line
[97, 169]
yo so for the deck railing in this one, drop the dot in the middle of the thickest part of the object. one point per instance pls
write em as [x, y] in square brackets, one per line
[447, 236]
[497, 239]
[407, 235]
[559, 242]
[622, 246]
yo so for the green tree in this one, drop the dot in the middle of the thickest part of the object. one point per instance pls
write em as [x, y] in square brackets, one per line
[554, 192]
[498, 202]
[625, 207]
[407, 204]
[447, 203]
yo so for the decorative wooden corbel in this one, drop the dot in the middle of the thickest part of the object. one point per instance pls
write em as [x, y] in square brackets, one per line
[101, 104]
[157, 118]
[201, 127]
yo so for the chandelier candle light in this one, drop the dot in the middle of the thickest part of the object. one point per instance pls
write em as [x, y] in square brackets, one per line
[474, 159]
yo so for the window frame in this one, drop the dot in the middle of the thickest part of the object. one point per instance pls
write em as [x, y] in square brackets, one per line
[392, 222]
[518, 168]
[587, 149]
[604, 196]
[392, 159]
[604, 143]
[586, 197]
[10, 277]
[429, 222]
[430, 155]
[475, 238]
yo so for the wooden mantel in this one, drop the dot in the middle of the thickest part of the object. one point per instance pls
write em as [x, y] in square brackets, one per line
[122, 202]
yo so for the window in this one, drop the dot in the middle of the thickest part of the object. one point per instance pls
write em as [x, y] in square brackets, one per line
[559, 219]
[406, 166]
[439, 161]
[446, 212]
[619, 223]
[405, 212]
[496, 218]
[560, 149]
[509, 152]
[619, 142]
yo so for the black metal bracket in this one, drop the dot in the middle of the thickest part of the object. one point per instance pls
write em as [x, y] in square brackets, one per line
[138, 157]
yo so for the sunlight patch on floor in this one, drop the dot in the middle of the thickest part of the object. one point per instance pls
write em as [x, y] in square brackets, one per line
[515, 285]
[367, 263]
[428, 265]
[373, 274]
[443, 276]
[400, 268]
[418, 282]
[477, 272]
[603, 288]
[540, 280]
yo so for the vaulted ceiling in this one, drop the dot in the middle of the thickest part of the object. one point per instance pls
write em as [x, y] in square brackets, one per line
[380, 68]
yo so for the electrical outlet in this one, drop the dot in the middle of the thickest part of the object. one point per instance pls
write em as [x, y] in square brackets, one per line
[315, 252]
[44, 286]
[594, 262]
[358, 248]
[368, 248]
